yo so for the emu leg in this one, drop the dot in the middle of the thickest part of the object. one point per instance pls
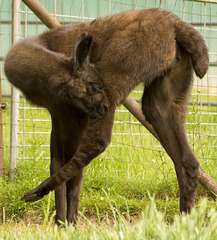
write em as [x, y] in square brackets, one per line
[186, 164]
[73, 187]
[95, 138]
[134, 108]
[164, 105]
[57, 161]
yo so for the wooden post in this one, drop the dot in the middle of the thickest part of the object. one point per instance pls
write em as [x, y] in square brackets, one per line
[42, 13]
[129, 102]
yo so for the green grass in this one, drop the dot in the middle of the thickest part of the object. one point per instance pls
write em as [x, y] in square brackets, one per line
[200, 224]
[115, 196]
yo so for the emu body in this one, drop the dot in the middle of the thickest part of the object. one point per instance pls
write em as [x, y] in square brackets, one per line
[103, 61]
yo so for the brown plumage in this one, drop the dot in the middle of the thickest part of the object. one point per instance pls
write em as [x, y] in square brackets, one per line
[90, 68]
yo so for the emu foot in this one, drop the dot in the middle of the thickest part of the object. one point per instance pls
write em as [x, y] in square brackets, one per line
[32, 196]
[99, 109]
[36, 193]
[90, 99]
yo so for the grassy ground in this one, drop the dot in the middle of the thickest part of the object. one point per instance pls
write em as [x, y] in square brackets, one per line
[116, 198]
[200, 224]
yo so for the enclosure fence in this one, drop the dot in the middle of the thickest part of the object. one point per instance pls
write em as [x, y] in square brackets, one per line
[132, 145]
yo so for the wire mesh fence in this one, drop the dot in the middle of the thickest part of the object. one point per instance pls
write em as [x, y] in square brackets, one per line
[132, 146]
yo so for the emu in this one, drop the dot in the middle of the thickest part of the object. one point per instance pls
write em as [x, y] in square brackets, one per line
[82, 72]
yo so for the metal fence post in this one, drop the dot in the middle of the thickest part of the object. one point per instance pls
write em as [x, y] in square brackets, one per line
[1, 134]
[15, 97]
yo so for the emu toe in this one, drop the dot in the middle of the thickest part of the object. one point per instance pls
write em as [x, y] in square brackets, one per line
[31, 196]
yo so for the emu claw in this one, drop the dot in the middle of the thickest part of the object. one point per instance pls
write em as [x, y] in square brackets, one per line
[100, 105]
[93, 89]
[31, 196]
[98, 110]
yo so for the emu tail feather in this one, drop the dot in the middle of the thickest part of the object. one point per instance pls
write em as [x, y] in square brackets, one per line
[194, 44]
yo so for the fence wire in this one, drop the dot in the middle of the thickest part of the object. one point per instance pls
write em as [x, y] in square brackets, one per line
[131, 144]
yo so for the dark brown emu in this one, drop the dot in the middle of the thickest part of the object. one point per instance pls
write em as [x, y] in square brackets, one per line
[80, 73]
